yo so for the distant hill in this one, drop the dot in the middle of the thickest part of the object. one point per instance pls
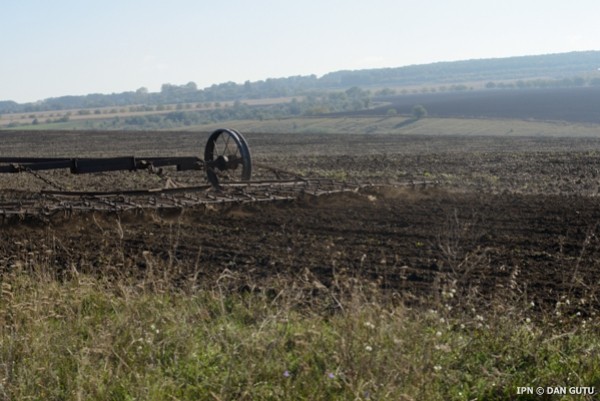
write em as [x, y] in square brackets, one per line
[563, 66]
[556, 66]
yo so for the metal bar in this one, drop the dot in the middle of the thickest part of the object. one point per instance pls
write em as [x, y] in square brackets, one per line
[132, 192]
[96, 165]
[32, 159]
[45, 165]
[182, 162]
[82, 166]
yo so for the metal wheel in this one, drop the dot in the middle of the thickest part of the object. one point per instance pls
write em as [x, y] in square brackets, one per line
[227, 157]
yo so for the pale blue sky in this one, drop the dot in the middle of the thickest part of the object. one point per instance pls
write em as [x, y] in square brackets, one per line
[73, 47]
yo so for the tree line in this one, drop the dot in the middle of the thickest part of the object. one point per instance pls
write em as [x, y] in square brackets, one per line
[353, 99]
[188, 114]
[582, 64]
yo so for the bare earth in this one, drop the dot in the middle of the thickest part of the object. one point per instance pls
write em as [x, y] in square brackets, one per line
[502, 217]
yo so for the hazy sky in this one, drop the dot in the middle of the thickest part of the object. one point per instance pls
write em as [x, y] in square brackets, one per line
[73, 47]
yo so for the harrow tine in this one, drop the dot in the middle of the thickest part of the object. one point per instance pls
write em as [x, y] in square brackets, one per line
[52, 201]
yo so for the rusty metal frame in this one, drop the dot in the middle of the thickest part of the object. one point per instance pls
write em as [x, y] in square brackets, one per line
[234, 153]
[96, 165]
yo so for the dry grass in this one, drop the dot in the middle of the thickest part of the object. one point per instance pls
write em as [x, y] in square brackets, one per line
[99, 337]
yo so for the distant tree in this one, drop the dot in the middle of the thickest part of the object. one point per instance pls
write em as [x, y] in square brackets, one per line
[458, 88]
[191, 86]
[167, 88]
[295, 107]
[419, 112]
[385, 92]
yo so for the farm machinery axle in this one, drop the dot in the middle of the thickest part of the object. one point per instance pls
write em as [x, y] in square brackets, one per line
[226, 157]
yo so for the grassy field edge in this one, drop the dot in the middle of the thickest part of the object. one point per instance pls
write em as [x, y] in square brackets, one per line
[97, 338]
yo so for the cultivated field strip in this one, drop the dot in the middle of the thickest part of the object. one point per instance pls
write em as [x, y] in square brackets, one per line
[50, 202]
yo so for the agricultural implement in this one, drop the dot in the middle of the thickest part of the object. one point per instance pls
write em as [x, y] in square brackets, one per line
[225, 154]
[226, 163]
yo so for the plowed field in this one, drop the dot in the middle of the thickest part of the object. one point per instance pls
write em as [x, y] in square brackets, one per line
[503, 218]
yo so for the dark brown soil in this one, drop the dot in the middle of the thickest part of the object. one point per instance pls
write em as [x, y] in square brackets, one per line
[512, 224]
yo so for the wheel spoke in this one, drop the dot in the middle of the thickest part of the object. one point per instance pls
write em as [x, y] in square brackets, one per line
[226, 145]
[215, 155]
